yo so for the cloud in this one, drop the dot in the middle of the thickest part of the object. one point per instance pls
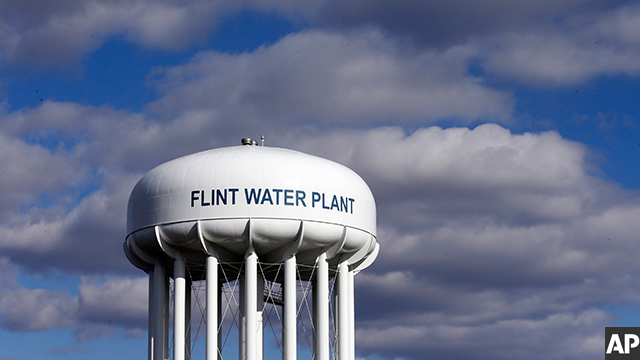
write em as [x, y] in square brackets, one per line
[434, 174]
[547, 43]
[107, 139]
[522, 338]
[572, 52]
[30, 171]
[486, 206]
[61, 33]
[445, 24]
[493, 233]
[120, 301]
[489, 231]
[330, 78]
[102, 305]
[38, 309]
[72, 217]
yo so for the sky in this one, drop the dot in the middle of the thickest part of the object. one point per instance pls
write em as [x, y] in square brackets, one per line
[501, 140]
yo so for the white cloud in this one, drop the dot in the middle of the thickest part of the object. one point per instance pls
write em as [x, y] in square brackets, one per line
[30, 171]
[110, 140]
[576, 50]
[39, 309]
[519, 338]
[60, 33]
[85, 239]
[330, 78]
[488, 231]
[101, 306]
[544, 42]
[457, 174]
[487, 156]
[491, 200]
[485, 227]
[116, 300]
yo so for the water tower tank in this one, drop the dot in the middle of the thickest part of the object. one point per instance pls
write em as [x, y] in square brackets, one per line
[207, 212]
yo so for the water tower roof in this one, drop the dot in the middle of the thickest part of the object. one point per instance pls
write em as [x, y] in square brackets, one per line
[251, 182]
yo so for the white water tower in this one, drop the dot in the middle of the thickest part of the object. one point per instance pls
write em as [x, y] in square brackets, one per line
[260, 215]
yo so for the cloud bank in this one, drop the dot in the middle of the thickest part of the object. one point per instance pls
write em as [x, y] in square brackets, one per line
[509, 242]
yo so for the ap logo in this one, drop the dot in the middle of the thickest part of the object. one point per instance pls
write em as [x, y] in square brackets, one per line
[622, 343]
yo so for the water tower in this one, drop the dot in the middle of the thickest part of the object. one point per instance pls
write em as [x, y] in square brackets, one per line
[259, 215]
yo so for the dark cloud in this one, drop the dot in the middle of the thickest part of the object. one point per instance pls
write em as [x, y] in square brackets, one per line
[449, 23]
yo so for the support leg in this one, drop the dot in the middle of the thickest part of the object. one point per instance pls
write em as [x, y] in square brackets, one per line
[289, 316]
[342, 309]
[321, 309]
[250, 306]
[152, 314]
[179, 311]
[212, 308]
[352, 317]
[159, 312]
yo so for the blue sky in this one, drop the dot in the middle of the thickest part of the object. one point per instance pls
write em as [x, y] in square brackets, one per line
[501, 140]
